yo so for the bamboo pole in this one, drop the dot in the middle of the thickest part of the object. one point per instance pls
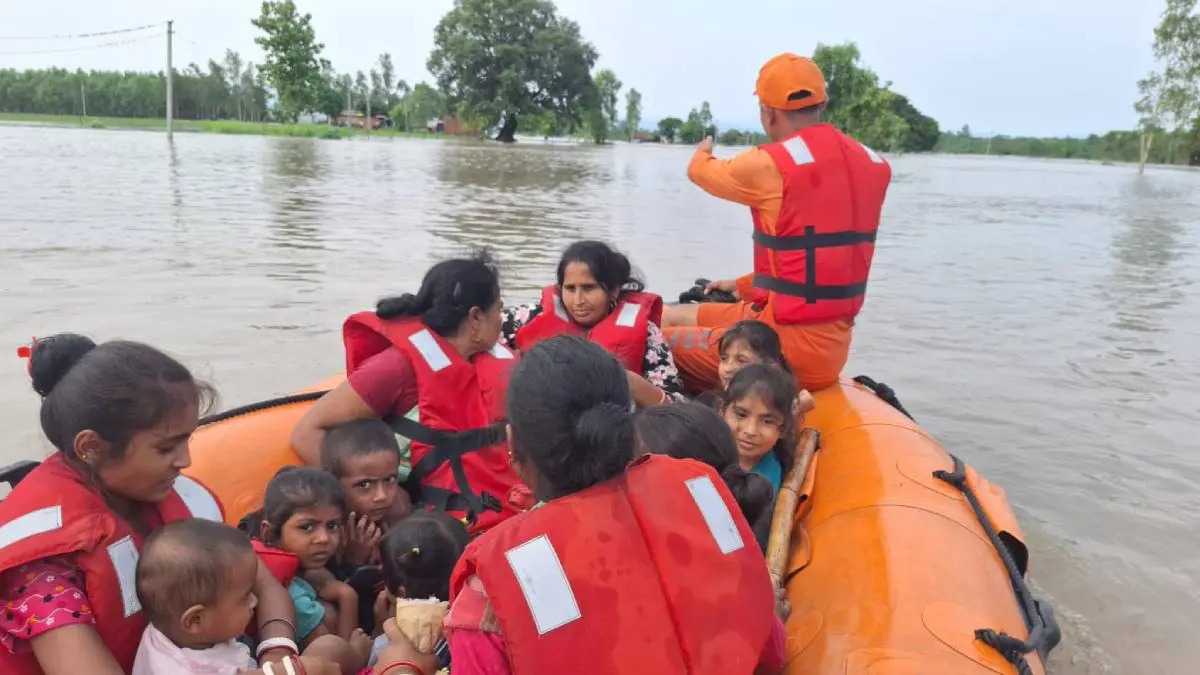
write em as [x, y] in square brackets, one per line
[786, 503]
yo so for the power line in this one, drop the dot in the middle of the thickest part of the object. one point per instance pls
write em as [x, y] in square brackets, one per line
[82, 35]
[103, 45]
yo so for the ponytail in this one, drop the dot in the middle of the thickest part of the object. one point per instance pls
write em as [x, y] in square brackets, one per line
[449, 291]
[569, 407]
[752, 492]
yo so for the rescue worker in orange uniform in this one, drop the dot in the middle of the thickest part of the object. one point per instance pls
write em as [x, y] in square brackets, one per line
[815, 195]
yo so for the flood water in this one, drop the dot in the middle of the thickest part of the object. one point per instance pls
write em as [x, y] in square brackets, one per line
[1039, 317]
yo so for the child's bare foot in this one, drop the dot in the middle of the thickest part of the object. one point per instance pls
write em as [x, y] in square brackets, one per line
[361, 643]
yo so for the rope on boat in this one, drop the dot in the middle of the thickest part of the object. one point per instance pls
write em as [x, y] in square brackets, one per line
[884, 392]
[263, 405]
[1044, 634]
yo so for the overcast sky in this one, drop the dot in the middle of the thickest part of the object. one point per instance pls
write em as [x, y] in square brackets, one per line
[1040, 67]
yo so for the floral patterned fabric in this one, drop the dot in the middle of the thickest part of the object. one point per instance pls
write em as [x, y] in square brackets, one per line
[39, 597]
[658, 365]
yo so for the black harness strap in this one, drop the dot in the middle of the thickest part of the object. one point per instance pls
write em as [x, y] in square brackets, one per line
[809, 242]
[448, 447]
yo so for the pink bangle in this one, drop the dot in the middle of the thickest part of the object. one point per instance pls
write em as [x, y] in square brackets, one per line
[400, 664]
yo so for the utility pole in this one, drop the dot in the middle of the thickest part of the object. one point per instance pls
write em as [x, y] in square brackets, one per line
[82, 96]
[170, 88]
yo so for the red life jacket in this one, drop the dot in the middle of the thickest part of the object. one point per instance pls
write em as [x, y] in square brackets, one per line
[281, 564]
[55, 511]
[817, 260]
[622, 332]
[459, 454]
[655, 571]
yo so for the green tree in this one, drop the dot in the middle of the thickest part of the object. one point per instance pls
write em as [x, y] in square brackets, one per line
[499, 59]
[698, 125]
[387, 79]
[858, 103]
[1150, 115]
[601, 114]
[292, 51]
[1177, 47]
[633, 111]
[923, 131]
[421, 105]
[668, 128]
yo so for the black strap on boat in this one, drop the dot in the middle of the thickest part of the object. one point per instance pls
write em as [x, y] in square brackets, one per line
[1043, 632]
[263, 405]
[14, 473]
[809, 242]
[448, 448]
[884, 392]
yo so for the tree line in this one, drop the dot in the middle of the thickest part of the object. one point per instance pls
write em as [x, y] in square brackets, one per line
[1168, 106]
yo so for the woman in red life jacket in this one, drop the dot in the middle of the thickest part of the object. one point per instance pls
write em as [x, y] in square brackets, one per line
[120, 415]
[598, 296]
[437, 354]
[642, 566]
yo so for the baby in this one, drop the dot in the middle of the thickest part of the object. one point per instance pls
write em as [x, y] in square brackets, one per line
[195, 581]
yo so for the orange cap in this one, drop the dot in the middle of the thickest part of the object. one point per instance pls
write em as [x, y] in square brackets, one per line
[790, 82]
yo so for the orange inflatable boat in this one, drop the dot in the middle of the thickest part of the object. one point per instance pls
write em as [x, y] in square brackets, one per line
[896, 558]
[901, 560]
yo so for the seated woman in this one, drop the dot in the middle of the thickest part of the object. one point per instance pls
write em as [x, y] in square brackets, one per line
[120, 415]
[438, 351]
[598, 297]
[613, 558]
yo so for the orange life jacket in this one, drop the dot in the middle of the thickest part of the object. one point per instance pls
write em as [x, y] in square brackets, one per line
[459, 454]
[55, 511]
[817, 260]
[655, 571]
[622, 332]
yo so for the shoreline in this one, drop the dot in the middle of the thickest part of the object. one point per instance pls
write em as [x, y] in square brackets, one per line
[228, 127]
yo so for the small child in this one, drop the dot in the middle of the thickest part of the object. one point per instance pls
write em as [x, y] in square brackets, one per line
[364, 457]
[303, 513]
[689, 430]
[195, 581]
[759, 405]
[745, 343]
[418, 554]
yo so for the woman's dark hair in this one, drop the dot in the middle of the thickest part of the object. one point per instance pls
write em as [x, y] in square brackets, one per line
[364, 436]
[610, 268]
[448, 292]
[760, 337]
[570, 411]
[291, 489]
[687, 430]
[778, 390]
[419, 553]
[116, 389]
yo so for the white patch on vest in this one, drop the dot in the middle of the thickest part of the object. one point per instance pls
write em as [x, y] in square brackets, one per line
[124, 557]
[31, 524]
[197, 499]
[430, 350]
[544, 583]
[799, 151]
[500, 351]
[872, 154]
[559, 309]
[628, 315]
[716, 514]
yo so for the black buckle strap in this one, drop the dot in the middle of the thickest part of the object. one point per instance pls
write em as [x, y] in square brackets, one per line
[448, 447]
[812, 239]
[810, 292]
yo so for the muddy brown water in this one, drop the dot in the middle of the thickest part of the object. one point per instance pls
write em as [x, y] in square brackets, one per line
[1039, 317]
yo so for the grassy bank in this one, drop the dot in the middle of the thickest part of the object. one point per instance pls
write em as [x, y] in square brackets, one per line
[207, 126]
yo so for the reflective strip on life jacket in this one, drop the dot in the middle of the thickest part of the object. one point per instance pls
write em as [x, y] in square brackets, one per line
[628, 316]
[198, 499]
[124, 556]
[429, 349]
[31, 524]
[716, 515]
[547, 591]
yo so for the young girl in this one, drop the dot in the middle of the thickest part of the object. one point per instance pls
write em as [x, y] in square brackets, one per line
[689, 430]
[303, 512]
[759, 405]
[364, 457]
[418, 554]
[745, 343]
[195, 582]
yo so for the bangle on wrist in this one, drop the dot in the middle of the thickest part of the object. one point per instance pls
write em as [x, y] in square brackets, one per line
[416, 670]
[271, 644]
[278, 619]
